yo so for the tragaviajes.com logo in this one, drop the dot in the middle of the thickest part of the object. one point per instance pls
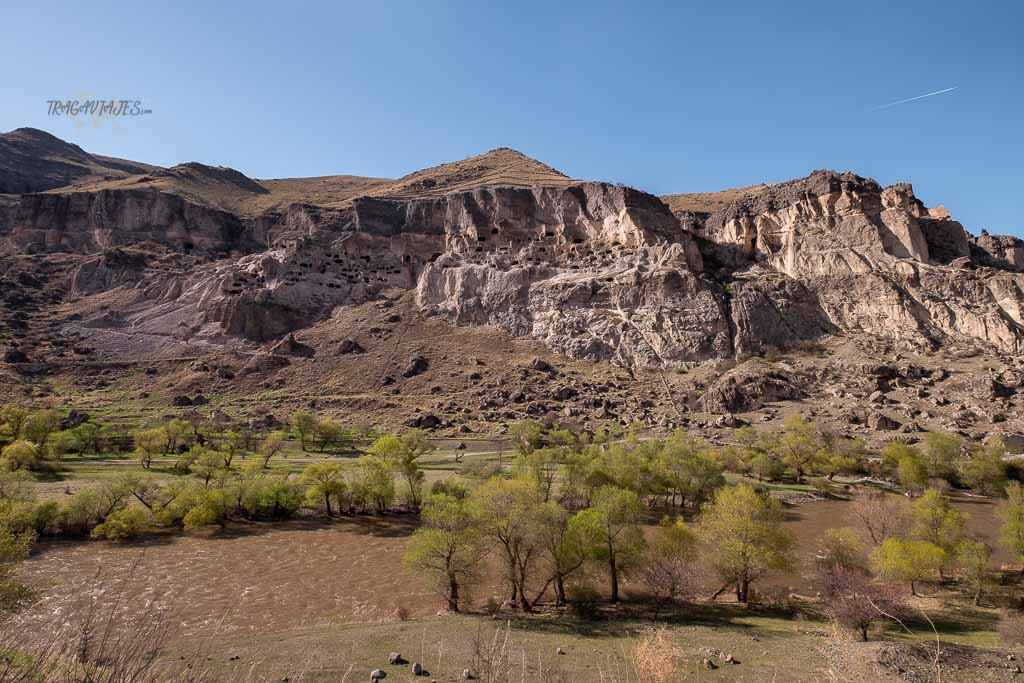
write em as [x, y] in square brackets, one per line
[97, 108]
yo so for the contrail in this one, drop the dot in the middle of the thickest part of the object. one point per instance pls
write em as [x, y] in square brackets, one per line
[911, 99]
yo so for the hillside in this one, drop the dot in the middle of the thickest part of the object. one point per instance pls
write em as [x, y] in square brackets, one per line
[704, 310]
[32, 160]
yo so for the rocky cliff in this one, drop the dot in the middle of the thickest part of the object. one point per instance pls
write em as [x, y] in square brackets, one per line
[593, 270]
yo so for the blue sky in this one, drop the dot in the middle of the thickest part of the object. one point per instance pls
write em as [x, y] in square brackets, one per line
[668, 97]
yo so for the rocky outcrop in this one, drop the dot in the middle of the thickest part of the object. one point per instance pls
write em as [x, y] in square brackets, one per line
[594, 270]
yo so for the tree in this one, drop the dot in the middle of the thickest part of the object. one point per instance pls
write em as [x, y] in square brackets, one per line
[973, 558]
[328, 433]
[14, 547]
[742, 529]
[907, 561]
[912, 473]
[881, 515]
[271, 445]
[985, 470]
[506, 510]
[447, 547]
[21, 455]
[149, 443]
[207, 464]
[852, 600]
[211, 509]
[562, 546]
[799, 446]
[41, 424]
[611, 532]
[304, 423]
[527, 436]
[373, 483]
[937, 522]
[12, 418]
[940, 453]
[690, 473]
[1011, 512]
[324, 483]
[669, 569]
[176, 429]
[402, 453]
[841, 549]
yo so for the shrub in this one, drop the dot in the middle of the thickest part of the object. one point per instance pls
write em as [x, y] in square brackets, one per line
[853, 601]
[655, 656]
[21, 455]
[124, 525]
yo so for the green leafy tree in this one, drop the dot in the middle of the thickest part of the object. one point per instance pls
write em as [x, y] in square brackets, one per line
[87, 437]
[527, 436]
[14, 547]
[936, 521]
[742, 530]
[150, 443]
[41, 424]
[448, 547]
[842, 548]
[402, 453]
[21, 455]
[1011, 513]
[985, 469]
[373, 483]
[506, 510]
[563, 549]
[685, 464]
[12, 419]
[211, 509]
[973, 558]
[799, 446]
[912, 473]
[304, 424]
[908, 561]
[325, 484]
[329, 434]
[271, 445]
[611, 532]
[940, 454]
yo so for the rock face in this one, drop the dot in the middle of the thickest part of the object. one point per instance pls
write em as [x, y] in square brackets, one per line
[869, 259]
[594, 270]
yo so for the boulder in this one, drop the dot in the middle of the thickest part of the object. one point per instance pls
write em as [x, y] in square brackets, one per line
[417, 365]
[181, 401]
[428, 421]
[15, 356]
[349, 345]
[378, 675]
[541, 365]
[880, 422]
[289, 346]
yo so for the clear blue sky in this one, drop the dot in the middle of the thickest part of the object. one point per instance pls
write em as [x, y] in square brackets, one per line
[668, 97]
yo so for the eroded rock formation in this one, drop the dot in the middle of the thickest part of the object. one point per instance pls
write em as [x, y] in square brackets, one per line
[594, 270]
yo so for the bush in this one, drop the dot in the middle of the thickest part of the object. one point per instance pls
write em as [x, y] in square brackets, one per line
[124, 525]
[853, 601]
[655, 656]
[21, 455]
[82, 513]
[449, 487]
